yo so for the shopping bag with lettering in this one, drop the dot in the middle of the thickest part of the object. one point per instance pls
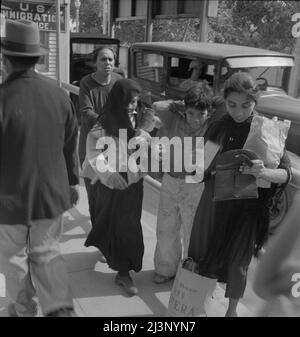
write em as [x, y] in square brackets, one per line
[190, 292]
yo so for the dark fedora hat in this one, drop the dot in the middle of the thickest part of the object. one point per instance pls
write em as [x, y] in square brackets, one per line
[22, 38]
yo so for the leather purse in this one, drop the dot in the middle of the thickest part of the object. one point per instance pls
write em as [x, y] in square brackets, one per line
[230, 183]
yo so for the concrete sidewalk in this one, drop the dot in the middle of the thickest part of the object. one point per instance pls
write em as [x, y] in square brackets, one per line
[96, 294]
[92, 282]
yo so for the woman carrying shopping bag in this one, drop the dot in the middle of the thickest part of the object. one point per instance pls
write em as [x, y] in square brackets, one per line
[226, 234]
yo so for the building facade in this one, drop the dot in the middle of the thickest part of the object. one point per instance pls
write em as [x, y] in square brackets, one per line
[43, 12]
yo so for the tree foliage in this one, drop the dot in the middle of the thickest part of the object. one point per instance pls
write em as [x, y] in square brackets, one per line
[90, 15]
[129, 32]
[163, 30]
[176, 29]
[263, 24]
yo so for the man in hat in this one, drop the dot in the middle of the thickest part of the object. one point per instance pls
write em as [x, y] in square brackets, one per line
[38, 170]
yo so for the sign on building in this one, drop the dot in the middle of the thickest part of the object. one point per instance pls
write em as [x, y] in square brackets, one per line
[43, 14]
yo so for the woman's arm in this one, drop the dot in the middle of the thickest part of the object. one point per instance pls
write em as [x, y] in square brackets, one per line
[278, 176]
[86, 107]
[274, 272]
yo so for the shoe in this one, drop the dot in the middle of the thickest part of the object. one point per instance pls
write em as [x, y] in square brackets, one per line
[159, 279]
[12, 312]
[102, 259]
[63, 312]
[127, 283]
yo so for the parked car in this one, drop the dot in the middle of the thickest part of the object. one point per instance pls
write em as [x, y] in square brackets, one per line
[164, 69]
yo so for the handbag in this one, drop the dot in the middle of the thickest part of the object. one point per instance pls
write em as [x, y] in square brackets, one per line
[230, 183]
[190, 292]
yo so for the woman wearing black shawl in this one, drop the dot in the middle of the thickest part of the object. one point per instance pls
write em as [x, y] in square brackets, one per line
[116, 200]
[226, 234]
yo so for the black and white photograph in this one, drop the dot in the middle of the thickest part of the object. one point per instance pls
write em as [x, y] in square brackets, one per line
[149, 161]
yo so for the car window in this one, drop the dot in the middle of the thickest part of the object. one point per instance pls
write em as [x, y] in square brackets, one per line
[149, 66]
[274, 76]
[185, 72]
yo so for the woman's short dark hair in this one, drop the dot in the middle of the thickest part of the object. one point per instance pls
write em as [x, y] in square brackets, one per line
[241, 82]
[98, 50]
[199, 96]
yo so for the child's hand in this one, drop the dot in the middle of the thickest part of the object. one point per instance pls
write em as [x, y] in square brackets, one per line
[150, 121]
[145, 135]
[157, 122]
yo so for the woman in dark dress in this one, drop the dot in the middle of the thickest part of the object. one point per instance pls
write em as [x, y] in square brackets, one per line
[226, 234]
[116, 200]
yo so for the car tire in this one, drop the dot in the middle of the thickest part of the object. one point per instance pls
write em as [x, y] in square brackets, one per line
[278, 214]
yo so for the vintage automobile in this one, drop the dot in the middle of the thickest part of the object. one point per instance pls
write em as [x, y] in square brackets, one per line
[166, 69]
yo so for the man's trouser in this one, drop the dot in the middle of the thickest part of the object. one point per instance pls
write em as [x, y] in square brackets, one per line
[31, 262]
[177, 207]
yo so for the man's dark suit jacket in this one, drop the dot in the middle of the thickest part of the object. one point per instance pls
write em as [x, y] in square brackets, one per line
[38, 158]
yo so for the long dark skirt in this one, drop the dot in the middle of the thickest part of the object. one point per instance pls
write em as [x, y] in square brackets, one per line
[224, 237]
[116, 225]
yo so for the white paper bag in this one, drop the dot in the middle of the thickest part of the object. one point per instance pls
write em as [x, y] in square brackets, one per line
[190, 293]
[267, 139]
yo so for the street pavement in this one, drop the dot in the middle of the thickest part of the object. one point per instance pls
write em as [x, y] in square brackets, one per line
[94, 290]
